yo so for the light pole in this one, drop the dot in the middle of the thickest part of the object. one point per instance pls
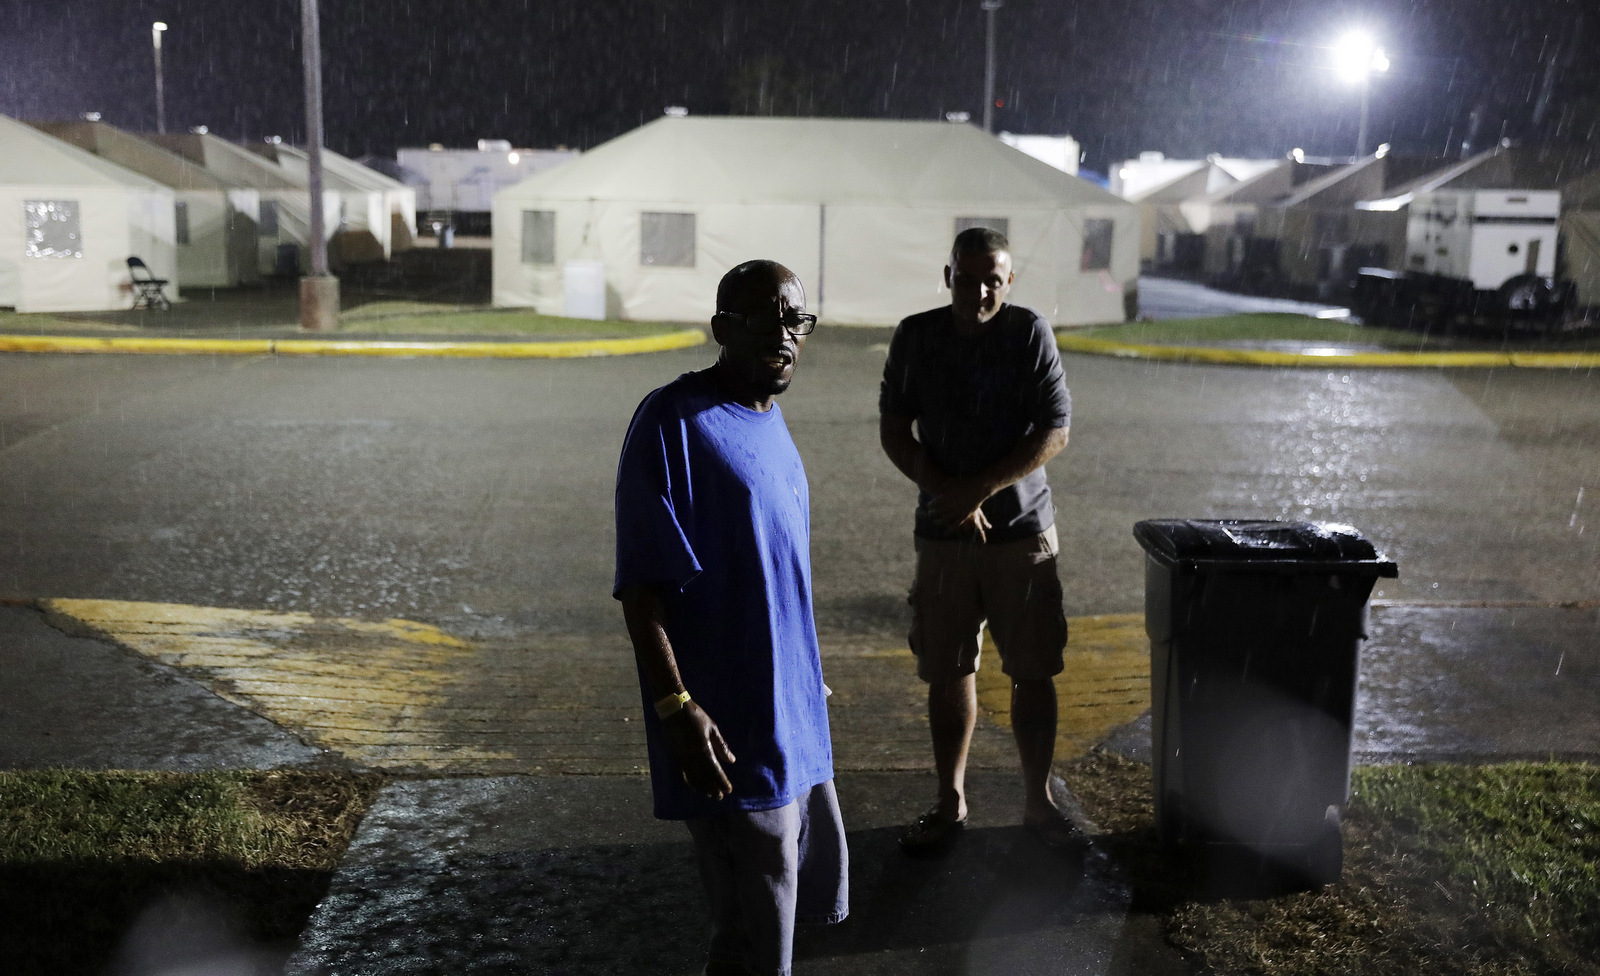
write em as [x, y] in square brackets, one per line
[989, 7]
[319, 291]
[1357, 58]
[156, 30]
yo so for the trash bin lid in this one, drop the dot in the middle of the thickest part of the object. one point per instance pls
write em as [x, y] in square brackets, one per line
[1250, 546]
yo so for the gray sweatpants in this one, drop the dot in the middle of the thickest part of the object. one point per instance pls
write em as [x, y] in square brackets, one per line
[765, 870]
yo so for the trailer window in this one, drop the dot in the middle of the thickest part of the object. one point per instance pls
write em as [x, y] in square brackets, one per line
[180, 223]
[52, 229]
[269, 218]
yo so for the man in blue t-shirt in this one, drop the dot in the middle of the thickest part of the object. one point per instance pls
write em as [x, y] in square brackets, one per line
[714, 575]
[982, 382]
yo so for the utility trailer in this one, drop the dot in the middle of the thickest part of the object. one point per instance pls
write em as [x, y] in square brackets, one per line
[1473, 258]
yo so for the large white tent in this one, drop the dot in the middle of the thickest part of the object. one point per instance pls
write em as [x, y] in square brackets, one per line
[215, 221]
[863, 211]
[70, 220]
[285, 214]
[371, 201]
[1161, 216]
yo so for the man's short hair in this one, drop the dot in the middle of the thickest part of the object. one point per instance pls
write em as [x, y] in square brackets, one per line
[980, 240]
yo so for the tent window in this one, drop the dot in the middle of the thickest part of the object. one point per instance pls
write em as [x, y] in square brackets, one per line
[269, 219]
[1096, 245]
[666, 240]
[180, 222]
[538, 237]
[1001, 224]
[53, 230]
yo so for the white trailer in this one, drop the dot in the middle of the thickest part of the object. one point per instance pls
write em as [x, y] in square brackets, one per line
[1472, 256]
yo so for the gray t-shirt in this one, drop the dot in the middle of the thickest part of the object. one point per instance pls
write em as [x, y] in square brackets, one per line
[973, 398]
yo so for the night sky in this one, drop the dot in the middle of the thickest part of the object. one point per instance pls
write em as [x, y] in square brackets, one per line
[1188, 77]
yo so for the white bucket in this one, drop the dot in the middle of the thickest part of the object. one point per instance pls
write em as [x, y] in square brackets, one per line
[583, 285]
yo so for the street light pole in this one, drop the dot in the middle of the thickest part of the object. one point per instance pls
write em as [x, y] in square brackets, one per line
[989, 7]
[1361, 128]
[156, 30]
[319, 291]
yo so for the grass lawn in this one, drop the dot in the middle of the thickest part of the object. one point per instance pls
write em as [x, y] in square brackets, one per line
[83, 854]
[1448, 870]
[411, 318]
[1283, 327]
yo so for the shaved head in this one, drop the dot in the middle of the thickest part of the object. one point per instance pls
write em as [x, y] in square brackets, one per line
[759, 351]
[750, 287]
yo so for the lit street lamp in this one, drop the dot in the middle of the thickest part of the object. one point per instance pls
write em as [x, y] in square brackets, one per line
[989, 7]
[156, 30]
[1356, 58]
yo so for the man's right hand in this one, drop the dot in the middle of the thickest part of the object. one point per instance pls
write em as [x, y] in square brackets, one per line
[697, 747]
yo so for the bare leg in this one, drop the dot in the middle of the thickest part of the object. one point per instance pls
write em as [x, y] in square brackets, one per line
[1033, 723]
[952, 713]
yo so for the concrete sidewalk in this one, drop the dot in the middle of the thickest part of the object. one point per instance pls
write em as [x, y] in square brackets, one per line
[486, 860]
[571, 875]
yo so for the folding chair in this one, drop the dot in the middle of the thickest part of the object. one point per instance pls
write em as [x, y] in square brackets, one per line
[147, 287]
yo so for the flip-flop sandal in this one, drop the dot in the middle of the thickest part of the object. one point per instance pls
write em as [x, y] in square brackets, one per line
[1057, 833]
[930, 832]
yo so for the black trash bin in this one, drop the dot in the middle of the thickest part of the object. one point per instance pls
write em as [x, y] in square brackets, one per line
[1255, 631]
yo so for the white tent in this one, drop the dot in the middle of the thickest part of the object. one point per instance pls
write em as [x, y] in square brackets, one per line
[1062, 152]
[371, 201]
[285, 214]
[863, 211]
[214, 221]
[1161, 216]
[1228, 216]
[70, 220]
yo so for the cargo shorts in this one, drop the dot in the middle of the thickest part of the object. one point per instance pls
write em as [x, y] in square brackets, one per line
[963, 585]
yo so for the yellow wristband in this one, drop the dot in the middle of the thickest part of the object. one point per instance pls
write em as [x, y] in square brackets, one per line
[670, 705]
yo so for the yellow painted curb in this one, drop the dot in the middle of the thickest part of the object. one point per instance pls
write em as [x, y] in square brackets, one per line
[368, 690]
[574, 349]
[1557, 360]
[1271, 357]
[1105, 683]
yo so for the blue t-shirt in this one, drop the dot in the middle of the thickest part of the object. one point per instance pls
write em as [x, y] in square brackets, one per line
[714, 513]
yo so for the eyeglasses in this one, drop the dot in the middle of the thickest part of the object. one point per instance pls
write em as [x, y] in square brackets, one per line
[796, 323]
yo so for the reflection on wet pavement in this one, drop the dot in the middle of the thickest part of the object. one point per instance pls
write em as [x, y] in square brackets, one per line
[1470, 683]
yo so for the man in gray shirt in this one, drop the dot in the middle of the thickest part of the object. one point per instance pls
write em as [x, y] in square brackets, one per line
[982, 382]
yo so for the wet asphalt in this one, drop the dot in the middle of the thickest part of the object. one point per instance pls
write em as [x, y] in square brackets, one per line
[476, 495]
[1173, 298]
[71, 702]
